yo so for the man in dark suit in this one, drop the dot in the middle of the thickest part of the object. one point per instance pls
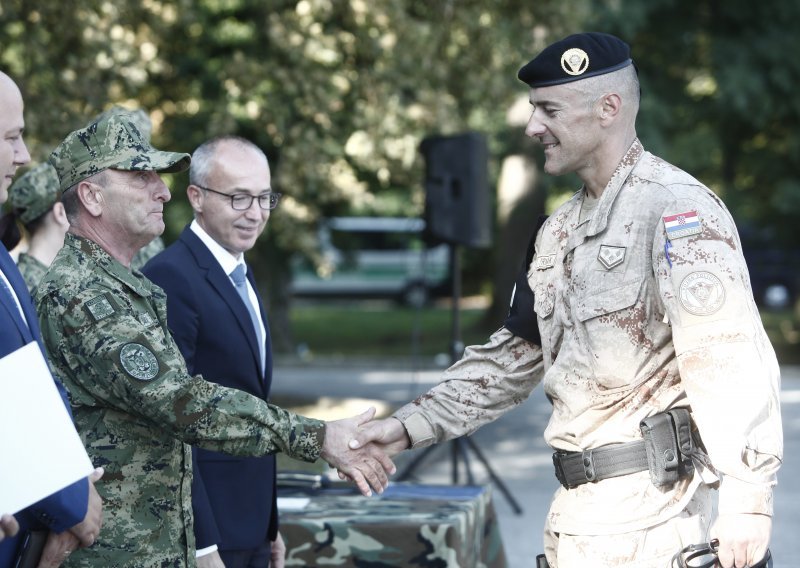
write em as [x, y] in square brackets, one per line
[229, 189]
[72, 515]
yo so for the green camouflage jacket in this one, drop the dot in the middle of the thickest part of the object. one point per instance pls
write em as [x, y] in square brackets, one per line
[136, 407]
[32, 270]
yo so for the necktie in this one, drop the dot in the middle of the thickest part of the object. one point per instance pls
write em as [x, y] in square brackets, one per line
[240, 283]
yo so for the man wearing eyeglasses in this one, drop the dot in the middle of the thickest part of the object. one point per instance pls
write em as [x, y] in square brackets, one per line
[137, 407]
[229, 190]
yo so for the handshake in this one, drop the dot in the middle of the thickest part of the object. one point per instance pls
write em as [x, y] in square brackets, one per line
[360, 449]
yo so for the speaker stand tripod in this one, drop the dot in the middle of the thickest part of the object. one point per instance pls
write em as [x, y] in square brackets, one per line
[460, 447]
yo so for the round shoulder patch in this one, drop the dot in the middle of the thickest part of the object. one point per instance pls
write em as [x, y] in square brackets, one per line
[701, 293]
[138, 361]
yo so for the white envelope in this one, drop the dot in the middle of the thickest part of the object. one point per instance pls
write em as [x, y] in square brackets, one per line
[40, 451]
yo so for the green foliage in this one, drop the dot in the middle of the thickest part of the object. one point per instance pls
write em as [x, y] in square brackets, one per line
[719, 100]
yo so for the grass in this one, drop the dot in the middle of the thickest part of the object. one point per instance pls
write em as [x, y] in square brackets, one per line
[377, 329]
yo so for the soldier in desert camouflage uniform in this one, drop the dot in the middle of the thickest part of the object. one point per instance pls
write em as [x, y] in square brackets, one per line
[35, 201]
[644, 305]
[135, 405]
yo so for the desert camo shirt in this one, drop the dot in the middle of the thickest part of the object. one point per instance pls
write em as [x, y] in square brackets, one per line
[643, 305]
[137, 408]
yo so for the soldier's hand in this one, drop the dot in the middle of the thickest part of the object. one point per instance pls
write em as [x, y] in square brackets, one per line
[389, 435]
[8, 526]
[743, 539]
[87, 530]
[367, 466]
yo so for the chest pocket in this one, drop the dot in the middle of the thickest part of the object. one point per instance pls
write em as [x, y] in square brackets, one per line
[613, 329]
[544, 294]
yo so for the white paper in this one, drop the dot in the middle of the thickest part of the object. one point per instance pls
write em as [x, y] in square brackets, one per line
[293, 503]
[40, 450]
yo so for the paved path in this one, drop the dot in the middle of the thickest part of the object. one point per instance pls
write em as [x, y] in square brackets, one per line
[515, 450]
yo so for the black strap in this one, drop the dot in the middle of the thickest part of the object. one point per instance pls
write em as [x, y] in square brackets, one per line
[577, 468]
[521, 319]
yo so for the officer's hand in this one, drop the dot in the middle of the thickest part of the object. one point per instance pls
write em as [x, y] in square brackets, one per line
[367, 466]
[743, 539]
[8, 526]
[87, 530]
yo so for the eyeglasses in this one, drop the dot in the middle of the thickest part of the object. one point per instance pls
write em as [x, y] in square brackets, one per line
[243, 201]
[705, 556]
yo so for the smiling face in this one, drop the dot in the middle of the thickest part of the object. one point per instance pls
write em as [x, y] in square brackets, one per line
[235, 169]
[568, 126]
[13, 153]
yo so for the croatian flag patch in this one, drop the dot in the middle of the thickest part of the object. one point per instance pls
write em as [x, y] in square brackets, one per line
[682, 225]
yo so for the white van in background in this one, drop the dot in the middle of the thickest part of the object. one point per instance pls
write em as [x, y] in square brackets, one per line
[373, 257]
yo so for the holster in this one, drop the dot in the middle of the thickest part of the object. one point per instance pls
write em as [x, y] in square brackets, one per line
[541, 561]
[669, 445]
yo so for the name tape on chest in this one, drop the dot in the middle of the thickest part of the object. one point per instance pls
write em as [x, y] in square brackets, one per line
[544, 261]
[682, 224]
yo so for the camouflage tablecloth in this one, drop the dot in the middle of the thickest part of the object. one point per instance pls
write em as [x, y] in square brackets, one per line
[409, 525]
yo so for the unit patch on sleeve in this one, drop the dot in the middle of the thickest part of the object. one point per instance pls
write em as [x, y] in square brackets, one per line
[682, 224]
[138, 361]
[99, 307]
[701, 293]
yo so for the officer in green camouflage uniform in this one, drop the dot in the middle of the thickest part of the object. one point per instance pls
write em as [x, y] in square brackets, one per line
[142, 121]
[34, 200]
[135, 405]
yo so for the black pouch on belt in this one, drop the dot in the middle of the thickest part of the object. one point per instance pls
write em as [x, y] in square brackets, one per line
[669, 445]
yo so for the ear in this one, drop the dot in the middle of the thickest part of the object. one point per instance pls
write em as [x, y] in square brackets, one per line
[90, 197]
[59, 214]
[196, 198]
[610, 107]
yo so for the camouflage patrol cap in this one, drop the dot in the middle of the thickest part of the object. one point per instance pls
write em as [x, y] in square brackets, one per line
[111, 141]
[35, 193]
[138, 117]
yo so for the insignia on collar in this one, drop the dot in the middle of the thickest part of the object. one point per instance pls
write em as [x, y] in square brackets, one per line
[574, 61]
[701, 293]
[682, 225]
[544, 261]
[611, 256]
[138, 361]
[99, 307]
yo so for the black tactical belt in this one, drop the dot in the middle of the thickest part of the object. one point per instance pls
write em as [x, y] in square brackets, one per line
[577, 468]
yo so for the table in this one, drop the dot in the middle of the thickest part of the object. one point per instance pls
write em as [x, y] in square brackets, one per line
[410, 525]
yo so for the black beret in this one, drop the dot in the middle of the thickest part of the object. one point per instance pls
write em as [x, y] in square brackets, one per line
[576, 57]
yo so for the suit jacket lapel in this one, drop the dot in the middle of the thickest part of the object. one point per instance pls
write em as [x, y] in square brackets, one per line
[221, 282]
[31, 331]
